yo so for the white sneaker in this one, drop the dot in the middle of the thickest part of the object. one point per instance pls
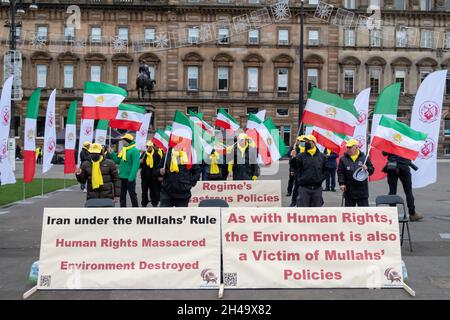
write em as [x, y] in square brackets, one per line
[84, 190]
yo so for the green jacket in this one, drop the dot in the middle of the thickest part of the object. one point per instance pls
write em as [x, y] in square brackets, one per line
[128, 169]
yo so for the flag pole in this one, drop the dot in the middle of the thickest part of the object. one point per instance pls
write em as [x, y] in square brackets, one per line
[110, 136]
[42, 185]
[367, 155]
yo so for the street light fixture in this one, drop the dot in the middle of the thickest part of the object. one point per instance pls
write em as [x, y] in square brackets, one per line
[33, 5]
[301, 70]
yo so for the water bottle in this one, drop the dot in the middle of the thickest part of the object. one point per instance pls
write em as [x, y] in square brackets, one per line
[33, 277]
[404, 272]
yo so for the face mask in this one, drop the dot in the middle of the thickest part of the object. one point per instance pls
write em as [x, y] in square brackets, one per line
[95, 157]
[302, 144]
[308, 145]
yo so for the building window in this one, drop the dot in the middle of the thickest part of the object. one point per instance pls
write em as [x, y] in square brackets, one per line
[123, 33]
[253, 1]
[399, 4]
[287, 135]
[283, 37]
[313, 37]
[349, 37]
[96, 34]
[16, 126]
[69, 34]
[149, 35]
[40, 126]
[222, 75]
[313, 1]
[400, 76]
[42, 32]
[191, 109]
[349, 79]
[41, 75]
[193, 78]
[447, 84]
[224, 36]
[282, 112]
[426, 39]
[374, 80]
[282, 79]
[96, 73]
[375, 38]
[151, 70]
[375, 3]
[312, 78]
[68, 76]
[447, 128]
[401, 38]
[425, 5]
[18, 32]
[424, 74]
[226, 110]
[193, 35]
[252, 110]
[447, 39]
[447, 5]
[252, 79]
[253, 37]
[122, 76]
[350, 4]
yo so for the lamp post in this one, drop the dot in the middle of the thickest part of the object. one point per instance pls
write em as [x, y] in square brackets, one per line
[301, 70]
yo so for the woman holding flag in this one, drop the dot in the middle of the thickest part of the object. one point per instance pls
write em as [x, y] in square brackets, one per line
[150, 160]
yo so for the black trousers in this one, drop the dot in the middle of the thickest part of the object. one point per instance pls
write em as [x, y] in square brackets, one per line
[130, 187]
[153, 187]
[295, 195]
[291, 182]
[167, 201]
[331, 178]
[363, 202]
[404, 174]
[308, 197]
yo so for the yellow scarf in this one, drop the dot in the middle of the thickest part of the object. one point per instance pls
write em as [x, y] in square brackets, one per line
[355, 156]
[242, 149]
[328, 151]
[230, 167]
[174, 163]
[160, 152]
[97, 178]
[302, 149]
[149, 159]
[312, 151]
[123, 153]
[214, 167]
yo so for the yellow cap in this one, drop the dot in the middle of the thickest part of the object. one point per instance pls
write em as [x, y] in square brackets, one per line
[127, 136]
[149, 143]
[95, 148]
[86, 144]
[301, 138]
[310, 137]
[351, 143]
[242, 136]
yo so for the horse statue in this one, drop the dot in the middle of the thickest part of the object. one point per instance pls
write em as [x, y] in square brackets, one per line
[144, 82]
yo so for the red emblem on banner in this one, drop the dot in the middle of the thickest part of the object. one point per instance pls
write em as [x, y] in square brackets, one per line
[427, 150]
[208, 276]
[50, 120]
[143, 133]
[3, 149]
[51, 145]
[429, 112]
[5, 115]
[362, 118]
[361, 140]
[88, 130]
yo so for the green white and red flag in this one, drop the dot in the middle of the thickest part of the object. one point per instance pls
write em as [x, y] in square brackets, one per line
[129, 117]
[101, 132]
[161, 139]
[70, 139]
[29, 153]
[271, 146]
[329, 140]
[395, 137]
[330, 112]
[101, 100]
[225, 121]
[197, 119]
[182, 137]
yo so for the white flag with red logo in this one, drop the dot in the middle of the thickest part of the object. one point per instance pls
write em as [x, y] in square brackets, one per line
[141, 135]
[362, 107]
[50, 133]
[86, 134]
[426, 117]
[6, 172]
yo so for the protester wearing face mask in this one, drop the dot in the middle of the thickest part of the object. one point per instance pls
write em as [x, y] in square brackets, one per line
[299, 147]
[311, 173]
[150, 184]
[100, 174]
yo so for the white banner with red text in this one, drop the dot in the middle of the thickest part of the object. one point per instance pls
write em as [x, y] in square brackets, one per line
[260, 193]
[311, 248]
[139, 248]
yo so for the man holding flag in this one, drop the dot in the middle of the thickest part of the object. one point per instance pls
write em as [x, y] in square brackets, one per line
[128, 161]
[149, 177]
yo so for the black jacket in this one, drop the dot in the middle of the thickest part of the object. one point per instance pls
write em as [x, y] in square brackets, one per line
[355, 189]
[146, 171]
[178, 185]
[111, 181]
[244, 168]
[311, 169]
[330, 160]
[84, 155]
[402, 163]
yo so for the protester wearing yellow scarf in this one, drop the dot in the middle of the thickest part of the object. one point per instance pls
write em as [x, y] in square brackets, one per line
[214, 167]
[149, 159]
[174, 160]
[97, 178]
[312, 151]
[355, 156]
[242, 149]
